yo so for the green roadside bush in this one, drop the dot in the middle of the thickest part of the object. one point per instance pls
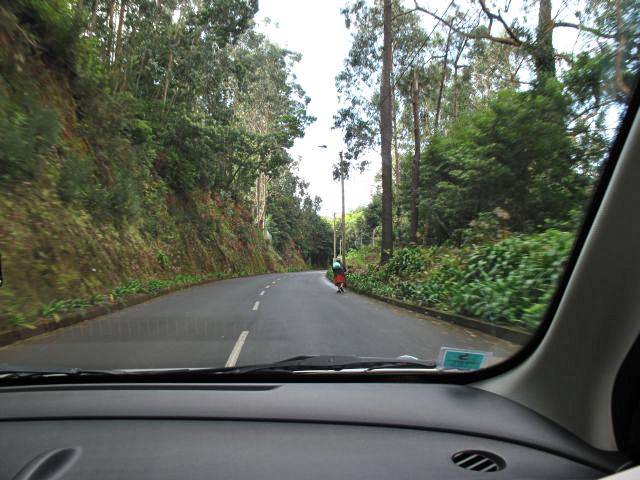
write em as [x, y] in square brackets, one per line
[508, 282]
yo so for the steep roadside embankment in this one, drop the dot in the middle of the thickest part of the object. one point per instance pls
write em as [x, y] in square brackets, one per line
[51, 252]
[87, 213]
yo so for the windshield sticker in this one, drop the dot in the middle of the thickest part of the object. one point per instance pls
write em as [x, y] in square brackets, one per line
[459, 359]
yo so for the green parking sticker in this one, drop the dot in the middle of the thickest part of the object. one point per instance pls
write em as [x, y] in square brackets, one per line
[458, 359]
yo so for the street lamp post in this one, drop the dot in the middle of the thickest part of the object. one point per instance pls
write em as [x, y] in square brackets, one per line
[342, 227]
[343, 245]
[334, 236]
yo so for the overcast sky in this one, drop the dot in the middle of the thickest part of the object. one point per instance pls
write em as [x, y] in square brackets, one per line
[315, 29]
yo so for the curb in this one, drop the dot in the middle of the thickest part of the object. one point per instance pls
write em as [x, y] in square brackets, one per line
[510, 334]
[49, 325]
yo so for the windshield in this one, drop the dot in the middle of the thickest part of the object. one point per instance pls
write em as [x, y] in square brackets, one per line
[333, 185]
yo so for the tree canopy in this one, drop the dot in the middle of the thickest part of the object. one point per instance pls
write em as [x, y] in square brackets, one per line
[172, 97]
[489, 113]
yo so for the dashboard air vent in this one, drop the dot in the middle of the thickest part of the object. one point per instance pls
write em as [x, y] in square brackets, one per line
[478, 461]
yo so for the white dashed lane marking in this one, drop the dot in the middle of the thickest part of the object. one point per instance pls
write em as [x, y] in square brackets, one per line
[256, 306]
[235, 353]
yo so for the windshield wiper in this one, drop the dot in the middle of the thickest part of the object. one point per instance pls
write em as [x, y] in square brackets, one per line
[300, 364]
[295, 365]
[8, 371]
[331, 363]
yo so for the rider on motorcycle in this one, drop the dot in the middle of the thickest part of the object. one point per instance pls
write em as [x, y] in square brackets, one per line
[339, 278]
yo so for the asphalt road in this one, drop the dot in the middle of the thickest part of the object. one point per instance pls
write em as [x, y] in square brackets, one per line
[247, 321]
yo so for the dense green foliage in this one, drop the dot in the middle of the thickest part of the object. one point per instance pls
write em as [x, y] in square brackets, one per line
[503, 122]
[170, 98]
[514, 154]
[170, 101]
[508, 282]
[146, 124]
[292, 218]
[500, 127]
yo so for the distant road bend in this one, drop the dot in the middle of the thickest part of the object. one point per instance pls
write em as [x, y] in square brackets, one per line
[246, 321]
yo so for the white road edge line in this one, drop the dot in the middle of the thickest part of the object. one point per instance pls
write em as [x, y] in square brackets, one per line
[256, 306]
[235, 353]
[262, 293]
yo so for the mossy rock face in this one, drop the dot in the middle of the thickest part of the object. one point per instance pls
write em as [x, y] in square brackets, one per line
[56, 247]
[84, 209]
[52, 251]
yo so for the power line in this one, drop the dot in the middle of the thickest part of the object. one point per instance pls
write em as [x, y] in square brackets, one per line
[420, 48]
[533, 44]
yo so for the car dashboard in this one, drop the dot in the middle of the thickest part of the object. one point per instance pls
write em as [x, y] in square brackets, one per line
[275, 431]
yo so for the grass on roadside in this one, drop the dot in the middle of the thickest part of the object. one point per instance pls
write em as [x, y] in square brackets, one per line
[56, 309]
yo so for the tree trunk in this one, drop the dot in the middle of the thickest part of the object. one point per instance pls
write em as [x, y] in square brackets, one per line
[385, 136]
[425, 230]
[261, 200]
[118, 53]
[334, 236]
[622, 41]
[444, 78]
[543, 54]
[257, 199]
[117, 57]
[396, 155]
[109, 36]
[122, 86]
[396, 162]
[94, 14]
[165, 87]
[454, 93]
[343, 243]
[415, 170]
[167, 78]
[140, 65]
